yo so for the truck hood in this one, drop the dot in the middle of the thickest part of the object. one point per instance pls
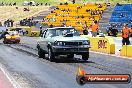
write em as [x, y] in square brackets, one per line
[74, 38]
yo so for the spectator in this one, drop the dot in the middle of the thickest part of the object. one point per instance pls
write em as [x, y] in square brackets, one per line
[28, 22]
[82, 16]
[11, 21]
[63, 25]
[9, 4]
[32, 18]
[14, 4]
[1, 36]
[84, 3]
[24, 32]
[4, 33]
[51, 26]
[131, 31]
[125, 35]
[16, 7]
[66, 3]
[45, 4]
[86, 24]
[108, 4]
[5, 23]
[85, 32]
[70, 25]
[41, 4]
[37, 4]
[26, 9]
[61, 4]
[121, 15]
[8, 23]
[30, 3]
[83, 26]
[99, 6]
[95, 28]
[77, 9]
[87, 10]
[20, 32]
[2, 4]
[40, 30]
[114, 32]
[109, 31]
[73, 1]
[118, 4]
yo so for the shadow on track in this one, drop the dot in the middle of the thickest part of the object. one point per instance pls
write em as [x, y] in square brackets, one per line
[71, 61]
[62, 59]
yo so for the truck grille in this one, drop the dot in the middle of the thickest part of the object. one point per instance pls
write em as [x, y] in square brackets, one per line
[72, 43]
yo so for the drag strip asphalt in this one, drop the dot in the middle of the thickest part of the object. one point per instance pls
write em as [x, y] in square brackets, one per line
[29, 71]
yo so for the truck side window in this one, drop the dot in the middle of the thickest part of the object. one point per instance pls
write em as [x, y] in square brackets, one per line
[47, 34]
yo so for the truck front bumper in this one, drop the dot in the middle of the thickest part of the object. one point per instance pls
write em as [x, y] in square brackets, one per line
[71, 49]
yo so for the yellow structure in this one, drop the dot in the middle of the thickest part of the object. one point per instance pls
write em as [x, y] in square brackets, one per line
[126, 50]
[102, 44]
[76, 15]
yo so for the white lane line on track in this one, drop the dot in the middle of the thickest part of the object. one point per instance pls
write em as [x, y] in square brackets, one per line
[111, 55]
[9, 77]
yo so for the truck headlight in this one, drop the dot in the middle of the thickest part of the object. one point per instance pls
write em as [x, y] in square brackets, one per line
[86, 42]
[58, 43]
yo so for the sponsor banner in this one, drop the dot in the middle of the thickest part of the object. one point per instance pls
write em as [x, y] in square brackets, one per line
[83, 78]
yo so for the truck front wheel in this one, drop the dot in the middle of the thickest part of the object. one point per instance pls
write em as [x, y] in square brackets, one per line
[51, 55]
[85, 56]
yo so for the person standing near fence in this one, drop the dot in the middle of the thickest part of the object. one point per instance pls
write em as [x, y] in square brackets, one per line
[125, 35]
[95, 28]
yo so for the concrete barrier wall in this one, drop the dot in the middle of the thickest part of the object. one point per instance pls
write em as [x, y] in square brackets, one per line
[101, 44]
[34, 34]
[126, 50]
[28, 31]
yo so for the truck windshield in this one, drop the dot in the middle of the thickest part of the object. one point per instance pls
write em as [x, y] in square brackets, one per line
[62, 31]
